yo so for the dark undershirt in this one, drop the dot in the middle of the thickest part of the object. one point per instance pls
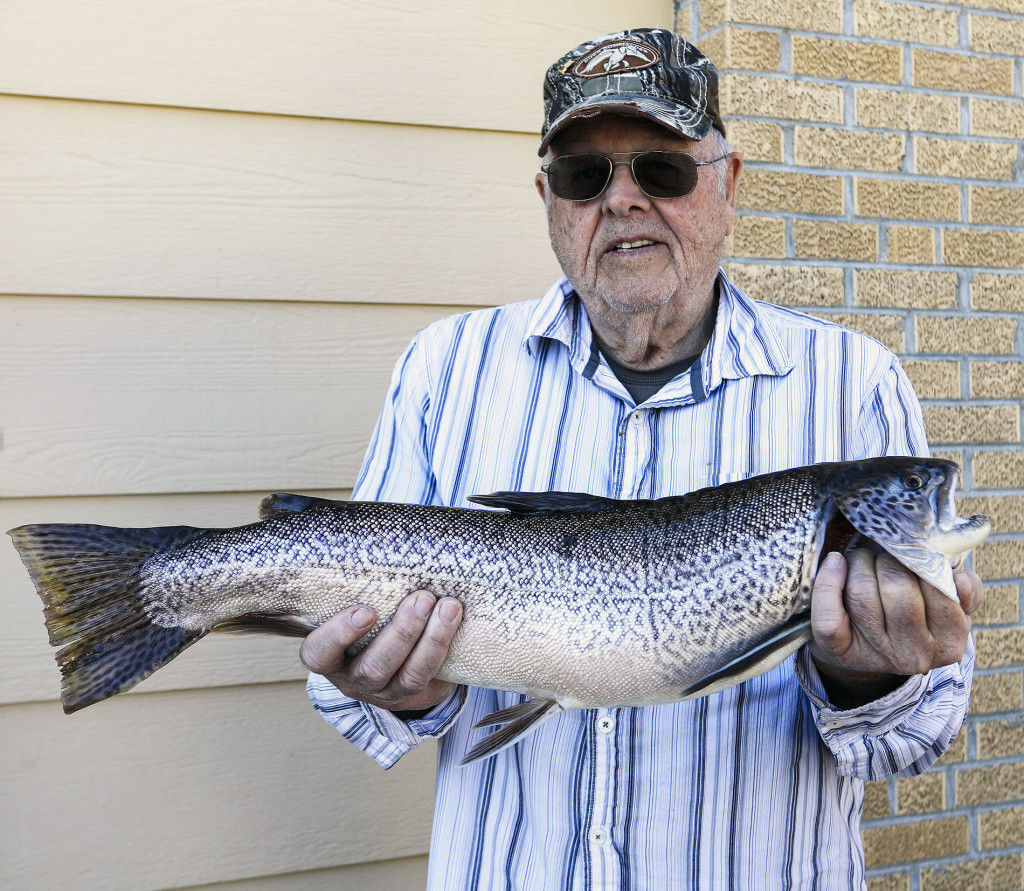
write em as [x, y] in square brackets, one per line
[642, 385]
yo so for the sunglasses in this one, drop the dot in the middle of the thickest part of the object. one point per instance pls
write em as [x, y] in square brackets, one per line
[658, 174]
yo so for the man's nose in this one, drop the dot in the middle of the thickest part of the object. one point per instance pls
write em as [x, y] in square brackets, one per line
[623, 195]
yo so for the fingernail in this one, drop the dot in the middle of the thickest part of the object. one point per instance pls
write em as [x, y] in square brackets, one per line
[833, 560]
[362, 617]
[424, 604]
[448, 610]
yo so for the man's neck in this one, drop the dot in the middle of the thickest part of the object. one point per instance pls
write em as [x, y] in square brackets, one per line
[643, 341]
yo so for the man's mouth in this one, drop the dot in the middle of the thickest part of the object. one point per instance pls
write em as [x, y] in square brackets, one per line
[631, 247]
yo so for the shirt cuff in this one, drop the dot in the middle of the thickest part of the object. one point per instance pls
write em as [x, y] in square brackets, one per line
[409, 733]
[841, 727]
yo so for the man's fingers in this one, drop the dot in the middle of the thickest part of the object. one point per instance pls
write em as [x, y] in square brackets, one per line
[829, 622]
[323, 650]
[430, 650]
[969, 589]
[373, 669]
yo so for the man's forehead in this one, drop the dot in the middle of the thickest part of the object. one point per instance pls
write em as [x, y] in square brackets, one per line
[587, 131]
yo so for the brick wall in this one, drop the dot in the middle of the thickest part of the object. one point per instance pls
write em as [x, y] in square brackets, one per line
[884, 189]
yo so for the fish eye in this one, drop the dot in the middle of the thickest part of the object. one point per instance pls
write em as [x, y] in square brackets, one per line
[913, 481]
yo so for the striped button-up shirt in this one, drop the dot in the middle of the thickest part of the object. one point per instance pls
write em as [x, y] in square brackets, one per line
[759, 786]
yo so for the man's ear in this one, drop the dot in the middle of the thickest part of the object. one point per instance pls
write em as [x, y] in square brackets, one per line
[541, 182]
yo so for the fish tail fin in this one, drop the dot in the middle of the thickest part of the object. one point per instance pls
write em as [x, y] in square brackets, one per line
[94, 604]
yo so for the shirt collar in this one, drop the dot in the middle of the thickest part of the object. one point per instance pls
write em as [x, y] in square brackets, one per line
[744, 342]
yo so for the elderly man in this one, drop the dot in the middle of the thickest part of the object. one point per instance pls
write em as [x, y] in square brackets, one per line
[645, 372]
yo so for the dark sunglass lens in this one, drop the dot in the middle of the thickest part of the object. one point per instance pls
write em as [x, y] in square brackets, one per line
[579, 177]
[665, 174]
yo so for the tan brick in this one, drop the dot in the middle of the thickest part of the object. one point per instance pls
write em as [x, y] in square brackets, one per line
[934, 156]
[1001, 829]
[773, 97]
[957, 751]
[996, 117]
[954, 455]
[924, 840]
[998, 470]
[990, 785]
[905, 288]
[997, 292]
[849, 149]
[1002, 738]
[758, 140]
[1001, 605]
[896, 21]
[899, 110]
[988, 34]
[999, 5]
[846, 59]
[886, 329]
[998, 207]
[836, 241]
[824, 16]
[983, 247]
[797, 192]
[911, 244]
[988, 874]
[876, 800]
[997, 380]
[757, 237]
[934, 379]
[937, 334]
[996, 693]
[892, 198]
[961, 72]
[790, 285]
[972, 423]
[731, 48]
[999, 647]
[1001, 560]
[890, 881]
[921, 794]
[1005, 511]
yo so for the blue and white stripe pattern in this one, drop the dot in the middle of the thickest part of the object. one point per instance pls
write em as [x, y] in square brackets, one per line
[759, 786]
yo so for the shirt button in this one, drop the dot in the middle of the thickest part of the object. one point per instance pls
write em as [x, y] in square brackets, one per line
[638, 416]
[605, 724]
[598, 836]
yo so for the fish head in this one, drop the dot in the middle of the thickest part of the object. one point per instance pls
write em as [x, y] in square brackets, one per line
[906, 506]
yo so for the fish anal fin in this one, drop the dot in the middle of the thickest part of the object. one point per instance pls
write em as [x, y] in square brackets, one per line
[765, 656]
[519, 720]
[540, 502]
[282, 505]
[267, 623]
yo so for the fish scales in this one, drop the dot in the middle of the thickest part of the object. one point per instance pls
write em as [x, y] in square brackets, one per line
[575, 600]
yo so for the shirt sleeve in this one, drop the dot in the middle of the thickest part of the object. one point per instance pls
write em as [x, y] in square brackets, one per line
[906, 731]
[396, 468]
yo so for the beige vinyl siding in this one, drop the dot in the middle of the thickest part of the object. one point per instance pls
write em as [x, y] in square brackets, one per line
[219, 226]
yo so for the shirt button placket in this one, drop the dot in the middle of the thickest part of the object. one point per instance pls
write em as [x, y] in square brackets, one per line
[602, 851]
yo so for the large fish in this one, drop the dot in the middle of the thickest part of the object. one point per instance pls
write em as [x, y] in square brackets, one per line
[575, 600]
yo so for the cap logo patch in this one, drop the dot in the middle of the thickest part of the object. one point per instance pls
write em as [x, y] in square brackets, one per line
[617, 57]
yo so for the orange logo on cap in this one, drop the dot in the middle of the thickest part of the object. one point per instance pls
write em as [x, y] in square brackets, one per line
[616, 57]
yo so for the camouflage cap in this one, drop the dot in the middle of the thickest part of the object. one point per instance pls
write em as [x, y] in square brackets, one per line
[646, 72]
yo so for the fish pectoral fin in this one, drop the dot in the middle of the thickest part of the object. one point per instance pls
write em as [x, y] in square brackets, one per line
[518, 720]
[787, 639]
[267, 623]
[539, 502]
[282, 505]
[926, 563]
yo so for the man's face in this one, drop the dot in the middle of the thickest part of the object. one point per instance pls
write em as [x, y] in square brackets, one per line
[678, 270]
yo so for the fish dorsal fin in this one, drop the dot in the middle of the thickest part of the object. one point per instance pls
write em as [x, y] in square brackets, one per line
[282, 505]
[539, 502]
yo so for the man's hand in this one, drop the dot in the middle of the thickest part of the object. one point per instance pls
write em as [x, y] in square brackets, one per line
[396, 670]
[875, 623]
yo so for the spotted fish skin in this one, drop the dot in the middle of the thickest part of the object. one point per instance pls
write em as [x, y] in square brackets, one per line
[576, 599]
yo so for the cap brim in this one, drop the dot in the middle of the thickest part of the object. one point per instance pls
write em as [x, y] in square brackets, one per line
[680, 119]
